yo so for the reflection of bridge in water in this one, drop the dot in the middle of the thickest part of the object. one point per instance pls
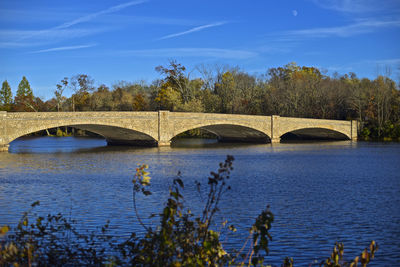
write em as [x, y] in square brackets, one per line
[159, 127]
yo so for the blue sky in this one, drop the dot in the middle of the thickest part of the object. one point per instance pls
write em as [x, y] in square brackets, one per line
[125, 40]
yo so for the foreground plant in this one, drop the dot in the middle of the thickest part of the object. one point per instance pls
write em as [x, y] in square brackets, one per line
[336, 258]
[51, 241]
[180, 239]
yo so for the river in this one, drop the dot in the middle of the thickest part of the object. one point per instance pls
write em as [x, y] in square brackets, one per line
[319, 192]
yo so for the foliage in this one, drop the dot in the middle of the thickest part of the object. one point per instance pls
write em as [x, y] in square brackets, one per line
[59, 92]
[168, 98]
[175, 79]
[82, 85]
[24, 99]
[5, 96]
[24, 88]
[225, 90]
[336, 258]
[52, 241]
[180, 239]
[139, 102]
[61, 133]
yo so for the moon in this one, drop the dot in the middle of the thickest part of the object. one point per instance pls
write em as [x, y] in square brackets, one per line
[294, 12]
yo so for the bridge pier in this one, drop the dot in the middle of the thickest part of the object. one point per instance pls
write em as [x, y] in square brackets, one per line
[167, 143]
[354, 130]
[4, 148]
[164, 135]
[276, 140]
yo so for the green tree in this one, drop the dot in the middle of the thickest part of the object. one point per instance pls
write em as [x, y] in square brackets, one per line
[24, 88]
[101, 100]
[82, 85]
[226, 90]
[122, 100]
[383, 87]
[5, 96]
[176, 79]
[59, 92]
[210, 101]
[139, 102]
[194, 105]
[168, 98]
[24, 98]
[247, 98]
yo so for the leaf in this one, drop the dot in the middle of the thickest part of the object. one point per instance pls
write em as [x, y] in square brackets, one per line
[145, 180]
[232, 228]
[36, 203]
[180, 182]
[4, 229]
[146, 192]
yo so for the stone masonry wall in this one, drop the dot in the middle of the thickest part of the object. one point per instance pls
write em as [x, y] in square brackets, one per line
[162, 126]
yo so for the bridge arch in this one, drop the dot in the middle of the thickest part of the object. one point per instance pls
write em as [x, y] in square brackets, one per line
[228, 132]
[315, 133]
[113, 133]
[313, 128]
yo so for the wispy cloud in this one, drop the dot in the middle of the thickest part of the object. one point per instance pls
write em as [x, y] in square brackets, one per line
[58, 17]
[36, 39]
[63, 48]
[158, 20]
[379, 66]
[337, 69]
[190, 52]
[195, 29]
[28, 16]
[58, 35]
[389, 67]
[393, 61]
[359, 27]
[359, 6]
[61, 31]
[97, 14]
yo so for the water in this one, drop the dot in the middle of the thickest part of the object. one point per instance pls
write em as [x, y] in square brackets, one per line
[319, 192]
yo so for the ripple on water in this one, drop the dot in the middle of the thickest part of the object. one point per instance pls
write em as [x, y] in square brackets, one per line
[319, 193]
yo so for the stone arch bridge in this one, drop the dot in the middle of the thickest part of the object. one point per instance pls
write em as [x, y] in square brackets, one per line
[159, 127]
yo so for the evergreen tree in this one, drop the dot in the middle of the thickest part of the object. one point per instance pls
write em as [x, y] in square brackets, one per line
[24, 97]
[5, 96]
[24, 88]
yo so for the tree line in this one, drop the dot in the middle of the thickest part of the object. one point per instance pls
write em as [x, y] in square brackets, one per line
[290, 90]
